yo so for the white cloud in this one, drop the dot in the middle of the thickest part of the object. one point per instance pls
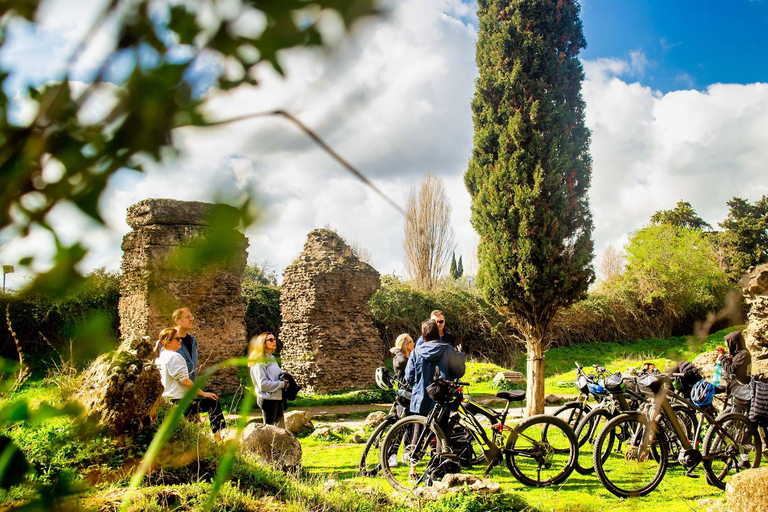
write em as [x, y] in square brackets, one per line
[395, 102]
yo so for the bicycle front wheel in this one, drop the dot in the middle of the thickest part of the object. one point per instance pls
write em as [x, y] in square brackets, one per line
[370, 459]
[586, 435]
[731, 445]
[541, 451]
[632, 467]
[414, 445]
[573, 412]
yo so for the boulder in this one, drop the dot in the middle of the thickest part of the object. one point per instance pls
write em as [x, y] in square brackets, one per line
[553, 400]
[298, 422]
[754, 287]
[272, 445]
[706, 364]
[374, 419]
[358, 437]
[123, 388]
[747, 491]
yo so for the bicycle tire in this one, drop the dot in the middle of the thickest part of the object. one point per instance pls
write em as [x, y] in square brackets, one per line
[542, 442]
[370, 459]
[733, 435]
[687, 418]
[620, 473]
[586, 435]
[433, 442]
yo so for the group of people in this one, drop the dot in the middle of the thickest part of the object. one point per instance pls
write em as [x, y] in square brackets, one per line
[435, 353]
[178, 365]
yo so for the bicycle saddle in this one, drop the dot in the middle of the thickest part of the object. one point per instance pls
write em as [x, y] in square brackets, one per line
[517, 395]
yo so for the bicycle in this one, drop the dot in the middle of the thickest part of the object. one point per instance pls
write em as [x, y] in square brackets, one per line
[587, 385]
[639, 462]
[540, 451]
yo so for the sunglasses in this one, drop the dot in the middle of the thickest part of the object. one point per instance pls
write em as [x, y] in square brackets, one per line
[439, 322]
[177, 338]
[270, 339]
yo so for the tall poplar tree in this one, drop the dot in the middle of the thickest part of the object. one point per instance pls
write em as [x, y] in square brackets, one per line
[530, 169]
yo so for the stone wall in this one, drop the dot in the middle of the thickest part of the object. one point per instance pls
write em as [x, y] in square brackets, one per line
[329, 341]
[754, 286]
[155, 281]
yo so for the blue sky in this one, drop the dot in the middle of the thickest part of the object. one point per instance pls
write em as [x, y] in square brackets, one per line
[688, 44]
[394, 100]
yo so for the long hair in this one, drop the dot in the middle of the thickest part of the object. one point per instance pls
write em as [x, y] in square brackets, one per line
[402, 341]
[166, 336]
[429, 330]
[256, 348]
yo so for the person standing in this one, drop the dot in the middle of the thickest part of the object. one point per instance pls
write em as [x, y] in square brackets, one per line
[445, 336]
[402, 350]
[738, 361]
[184, 322]
[265, 374]
[175, 379]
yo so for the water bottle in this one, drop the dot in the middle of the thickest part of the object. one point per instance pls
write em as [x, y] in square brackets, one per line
[718, 373]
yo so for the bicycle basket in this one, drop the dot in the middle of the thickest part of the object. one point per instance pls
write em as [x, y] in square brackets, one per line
[445, 394]
[581, 384]
[615, 383]
[650, 384]
[758, 410]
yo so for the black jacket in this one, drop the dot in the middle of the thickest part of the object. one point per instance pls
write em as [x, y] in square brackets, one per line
[740, 361]
[291, 390]
[399, 363]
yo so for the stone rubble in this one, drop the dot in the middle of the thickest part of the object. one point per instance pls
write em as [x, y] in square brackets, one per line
[754, 286]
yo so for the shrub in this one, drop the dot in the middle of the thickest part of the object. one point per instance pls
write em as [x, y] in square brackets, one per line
[262, 308]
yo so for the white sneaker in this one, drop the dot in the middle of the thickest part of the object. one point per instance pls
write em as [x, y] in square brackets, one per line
[393, 461]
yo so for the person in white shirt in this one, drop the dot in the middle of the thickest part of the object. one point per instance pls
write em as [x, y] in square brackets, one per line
[265, 374]
[174, 375]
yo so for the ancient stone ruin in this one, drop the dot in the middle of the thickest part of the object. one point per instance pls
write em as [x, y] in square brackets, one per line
[754, 286]
[329, 339]
[162, 271]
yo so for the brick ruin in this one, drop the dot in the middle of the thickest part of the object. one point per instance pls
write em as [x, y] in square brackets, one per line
[154, 284]
[754, 286]
[329, 341]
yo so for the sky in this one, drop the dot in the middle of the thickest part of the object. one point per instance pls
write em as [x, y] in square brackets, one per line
[676, 98]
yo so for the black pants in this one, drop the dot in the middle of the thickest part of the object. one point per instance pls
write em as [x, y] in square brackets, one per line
[272, 412]
[212, 407]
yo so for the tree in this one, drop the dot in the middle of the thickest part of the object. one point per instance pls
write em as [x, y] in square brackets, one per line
[744, 238]
[530, 169]
[454, 268]
[611, 264]
[682, 216]
[260, 273]
[459, 268]
[428, 240]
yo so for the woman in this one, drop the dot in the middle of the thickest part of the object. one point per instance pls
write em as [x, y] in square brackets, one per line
[402, 350]
[175, 378]
[265, 374]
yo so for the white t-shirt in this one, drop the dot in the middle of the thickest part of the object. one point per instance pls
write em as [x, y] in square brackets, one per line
[173, 370]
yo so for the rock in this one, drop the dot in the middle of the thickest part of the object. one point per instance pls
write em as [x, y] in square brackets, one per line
[122, 389]
[510, 376]
[452, 483]
[358, 437]
[553, 400]
[153, 285]
[330, 485]
[754, 286]
[747, 491]
[298, 421]
[706, 364]
[710, 505]
[272, 445]
[330, 342]
[321, 432]
[341, 430]
[374, 419]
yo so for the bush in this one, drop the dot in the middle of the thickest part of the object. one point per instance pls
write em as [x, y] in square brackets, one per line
[262, 308]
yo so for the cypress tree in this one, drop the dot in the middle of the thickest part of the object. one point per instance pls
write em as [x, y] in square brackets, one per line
[530, 169]
[459, 269]
[453, 266]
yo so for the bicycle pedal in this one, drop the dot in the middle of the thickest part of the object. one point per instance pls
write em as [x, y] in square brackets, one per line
[693, 475]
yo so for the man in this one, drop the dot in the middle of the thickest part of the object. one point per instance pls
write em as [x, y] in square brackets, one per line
[184, 321]
[737, 364]
[445, 336]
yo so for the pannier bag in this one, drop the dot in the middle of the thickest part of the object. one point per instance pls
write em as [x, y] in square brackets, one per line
[650, 384]
[581, 384]
[615, 383]
[758, 411]
[742, 398]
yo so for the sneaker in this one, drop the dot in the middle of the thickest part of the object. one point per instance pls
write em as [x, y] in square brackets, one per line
[393, 460]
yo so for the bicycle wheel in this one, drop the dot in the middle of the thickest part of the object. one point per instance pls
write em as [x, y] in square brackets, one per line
[731, 445]
[370, 459]
[414, 445]
[688, 421]
[630, 468]
[586, 435]
[541, 451]
[573, 412]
